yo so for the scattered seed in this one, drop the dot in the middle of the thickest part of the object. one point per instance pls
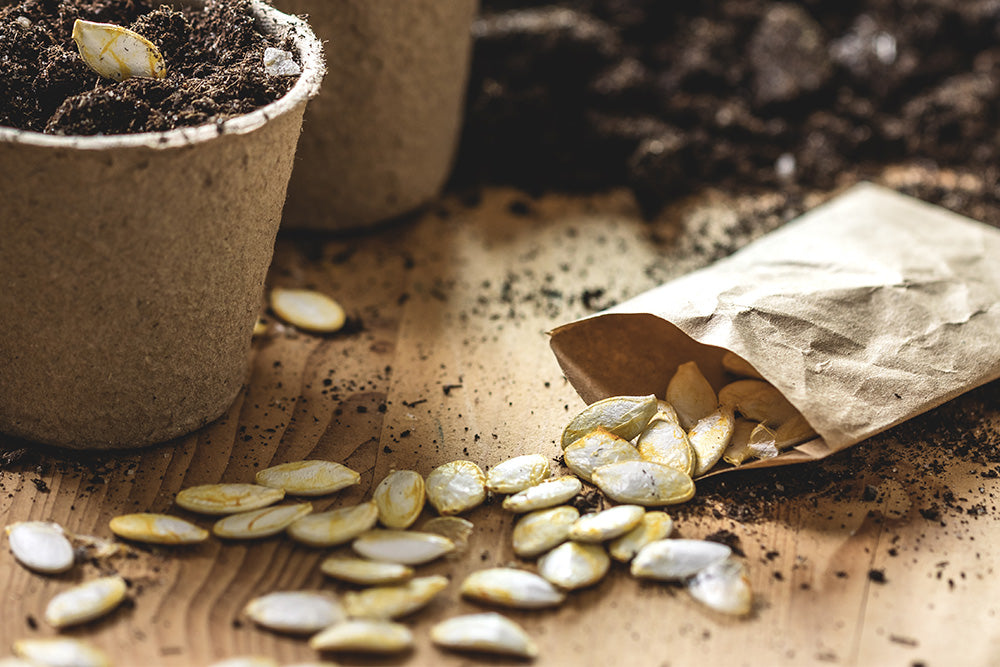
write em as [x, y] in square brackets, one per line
[549, 493]
[710, 437]
[227, 498]
[597, 448]
[654, 526]
[295, 612]
[606, 525]
[511, 587]
[543, 530]
[676, 560]
[456, 487]
[60, 652]
[666, 443]
[365, 572]
[339, 526]
[308, 478]
[85, 602]
[737, 365]
[762, 443]
[157, 529]
[307, 309]
[387, 602]
[260, 523]
[724, 587]
[738, 450]
[518, 473]
[364, 636]
[455, 528]
[406, 547]
[691, 395]
[41, 546]
[116, 52]
[758, 401]
[400, 498]
[572, 565]
[625, 416]
[489, 633]
[644, 483]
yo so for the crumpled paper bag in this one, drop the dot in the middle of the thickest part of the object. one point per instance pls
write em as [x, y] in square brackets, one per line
[864, 312]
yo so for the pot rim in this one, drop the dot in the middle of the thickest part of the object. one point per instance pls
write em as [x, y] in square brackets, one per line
[270, 21]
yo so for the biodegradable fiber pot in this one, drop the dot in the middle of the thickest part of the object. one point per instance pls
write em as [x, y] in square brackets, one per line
[132, 268]
[380, 139]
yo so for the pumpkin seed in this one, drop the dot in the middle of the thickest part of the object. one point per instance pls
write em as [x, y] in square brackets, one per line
[116, 52]
[724, 587]
[60, 652]
[542, 530]
[597, 448]
[85, 602]
[365, 572]
[260, 327]
[572, 565]
[643, 483]
[794, 431]
[606, 525]
[364, 636]
[654, 526]
[709, 439]
[295, 612]
[489, 633]
[227, 498]
[455, 528]
[308, 478]
[41, 546]
[406, 547]
[400, 498]
[157, 529]
[676, 560]
[260, 523]
[758, 401]
[737, 365]
[511, 587]
[327, 529]
[246, 661]
[625, 416]
[666, 443]
[307, 309]
[551, 492]
[387, 602]
[691, 395]
[762, 444]
[518, 473]
[456, 487]
[738, 450]
[16, 662]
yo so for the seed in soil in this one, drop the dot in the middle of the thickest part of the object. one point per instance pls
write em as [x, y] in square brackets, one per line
[710, 437]
[607, 524]
[724, 587]
[676, 560]
[654, 526]
[41, 546]
[406, 547]
[665, 442]
[308, 478]
[691, 395]
[339, 526]
[388, 602]
[549, 493]
[365, 572]
[644, 483]
[216, 499]
[511, 587]
[625, 416]
[260, 523]
[572, 565]
[518, 473]
[456, 487]
[60, 652]
[597, 448]
[307, 309]
[295, 612]
[400, 498]
[85, 602]
[455, 528]
[542, 530]
[364, 636]
[157, 529]
[117, 53]
[485, 633]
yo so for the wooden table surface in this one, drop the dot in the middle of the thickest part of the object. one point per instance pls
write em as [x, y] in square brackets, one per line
[446, 357]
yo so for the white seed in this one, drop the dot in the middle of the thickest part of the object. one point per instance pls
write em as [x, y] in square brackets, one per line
[511, 587]
[308, 478]
[676, 560]
[724, 587]
[597, 448]
[260, 523]
[542, 530]
[116, 52]
[549, 493]
[456, 487]
[691, 395]
[710, 437]
[665, 442]
[365, 572]
[60, 652]
[406, 547]
[644, 483]
[246, 661]
[400, 498]
[625, 416]
[757, 401]
[157, 529]
[295, 612]
[737, 365]
[518, 473]
[654, 526]
[364, 636]
[738, 450]
[386, 602]
[339, 526]
[85, 602]
[307, 309]
[227, 498]
[763, 443]
[455, 528]
[794, 431]
[606, 525]
[487, 633]
[41, 546]
[573, 565]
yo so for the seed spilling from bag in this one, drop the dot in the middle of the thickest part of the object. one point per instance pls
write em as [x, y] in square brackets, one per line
[644, 483]
[41, 546]
[724, 587]
[598, 448]
[573, 565]
[676, 560]
[518, 473]
[400, 498]
[625, 416]
[549, 493]
[364, 636]
[218, 499]
[737, 365]
[339, 526]
[157, 529]
[666, 443]
[307, 309]
[606, 525]
[511, 587]
[758, 401]
[542, 530]
[691, 395]
[260, 523]
[654, 526]
[487, 633]
[456, 487]
[295, 612]
[85, 602]
[365, 572]
[308, 478]
[59, 652]
[387, 602]
[406, 547]
[455, 528]
[709, 439]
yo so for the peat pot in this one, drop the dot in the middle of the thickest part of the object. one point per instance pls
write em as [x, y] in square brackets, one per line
[132, 267]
